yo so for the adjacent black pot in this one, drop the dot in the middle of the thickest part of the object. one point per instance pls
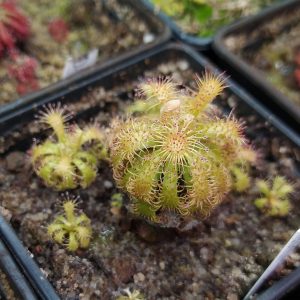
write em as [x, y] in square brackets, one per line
[160, 30]
[201, 43]
[107, 78]
[248, 75]
[287, 288]
[14, 118]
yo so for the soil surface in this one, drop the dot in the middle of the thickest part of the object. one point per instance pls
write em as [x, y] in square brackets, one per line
[6, 288]
[219, 259]
[113, 27]
[274, 49]
[204, 18]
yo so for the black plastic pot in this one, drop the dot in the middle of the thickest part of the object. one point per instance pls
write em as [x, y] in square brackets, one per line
[163, 35]
[15, 282]
[248, 75]
[14, 117]
[121, 73]
[201, 43]
[25, 277]
[284, 289]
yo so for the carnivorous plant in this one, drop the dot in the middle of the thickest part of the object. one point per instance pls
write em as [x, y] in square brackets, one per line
[68, 159]
[180, 159]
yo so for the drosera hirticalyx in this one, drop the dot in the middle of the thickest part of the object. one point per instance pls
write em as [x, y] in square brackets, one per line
[71, 228]
[179, 157]
[69, 158]
[274, 200]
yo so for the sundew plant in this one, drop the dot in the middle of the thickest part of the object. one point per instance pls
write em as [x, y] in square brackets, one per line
[68, 159]
[180, 159]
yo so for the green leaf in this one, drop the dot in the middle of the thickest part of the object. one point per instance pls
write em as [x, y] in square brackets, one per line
[203, 13]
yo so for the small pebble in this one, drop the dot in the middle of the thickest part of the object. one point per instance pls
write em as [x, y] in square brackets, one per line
[5, 213]
[232, 296]
[107, 184]
[148, 38]
[162, 265]
[139, 277]
[183, 65]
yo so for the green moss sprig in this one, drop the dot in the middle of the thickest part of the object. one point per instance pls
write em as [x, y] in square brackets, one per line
[69, 158]
[274, 201]
[71, 229]
[180, 160]
[240, 170]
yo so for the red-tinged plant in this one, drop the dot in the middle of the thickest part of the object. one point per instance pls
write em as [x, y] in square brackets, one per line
[59, 30]
[297, 70]
[14, 27]
[23, 71]
[297, 76]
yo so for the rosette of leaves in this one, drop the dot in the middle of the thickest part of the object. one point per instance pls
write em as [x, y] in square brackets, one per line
[274, 200]
[14, 27]
[70, 229]
[69, 158]
[179, 161]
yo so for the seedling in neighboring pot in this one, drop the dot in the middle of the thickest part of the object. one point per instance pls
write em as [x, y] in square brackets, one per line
[70, 159]
[70, 229]
[180, 160]
[59, 30]
[14, 27]
[275, 201]
[23, 70]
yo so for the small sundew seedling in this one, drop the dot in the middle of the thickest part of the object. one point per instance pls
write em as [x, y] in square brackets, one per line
[70, 158]
[71, 229]
[116, 204]
[135, 295]
[117, 200]
[274, 201]
[180, 159]
[240, 171]
[241, 180]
